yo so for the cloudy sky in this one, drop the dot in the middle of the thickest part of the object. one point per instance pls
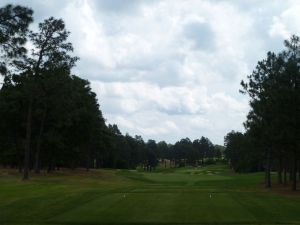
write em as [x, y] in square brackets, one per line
[171, 69]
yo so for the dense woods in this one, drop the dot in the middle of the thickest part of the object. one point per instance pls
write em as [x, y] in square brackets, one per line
[51, 118]
[271, 141]
[62, 162]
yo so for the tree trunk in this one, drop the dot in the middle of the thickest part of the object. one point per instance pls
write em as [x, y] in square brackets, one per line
[284, 177]
[88, 160]
[268, 170]
[20, 163]
[49, 168]
[298, 172]
[27, 141]
[294, 175]
[20, 168]
[280, 171]
[19, 158]
[98, 163]
[298, 169]
[38, 145]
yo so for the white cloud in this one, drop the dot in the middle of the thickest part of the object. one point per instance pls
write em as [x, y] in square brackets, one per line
[152, 111]
[287, 23]
[278, 28]
[171, 69]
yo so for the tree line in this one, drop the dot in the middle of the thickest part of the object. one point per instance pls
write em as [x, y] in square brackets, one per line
[50, 118]
[272, 138]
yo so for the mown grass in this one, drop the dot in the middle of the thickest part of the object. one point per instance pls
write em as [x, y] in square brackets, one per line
[210, 195]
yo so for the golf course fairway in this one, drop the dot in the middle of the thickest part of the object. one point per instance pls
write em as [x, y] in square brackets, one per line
[209, 195]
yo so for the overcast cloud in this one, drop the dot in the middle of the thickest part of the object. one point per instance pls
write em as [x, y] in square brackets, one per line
[172, 69]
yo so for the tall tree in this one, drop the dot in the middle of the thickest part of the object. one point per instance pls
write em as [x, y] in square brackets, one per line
[50, 52]
[274, 117]
[14, 22]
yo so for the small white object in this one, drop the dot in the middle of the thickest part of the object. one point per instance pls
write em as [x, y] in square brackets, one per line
[124, 196]
[210, 195]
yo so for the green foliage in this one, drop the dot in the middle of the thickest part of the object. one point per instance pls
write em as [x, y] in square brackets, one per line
[52, 119]
[273, 123]
[240, 153]
[14, 22]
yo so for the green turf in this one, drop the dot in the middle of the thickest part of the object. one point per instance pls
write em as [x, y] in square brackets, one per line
[210, 195]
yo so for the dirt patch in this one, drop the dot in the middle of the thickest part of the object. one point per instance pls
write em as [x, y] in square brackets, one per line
[283, 189]
[286, 189]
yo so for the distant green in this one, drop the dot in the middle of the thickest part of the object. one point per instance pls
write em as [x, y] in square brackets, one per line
[210, 195]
